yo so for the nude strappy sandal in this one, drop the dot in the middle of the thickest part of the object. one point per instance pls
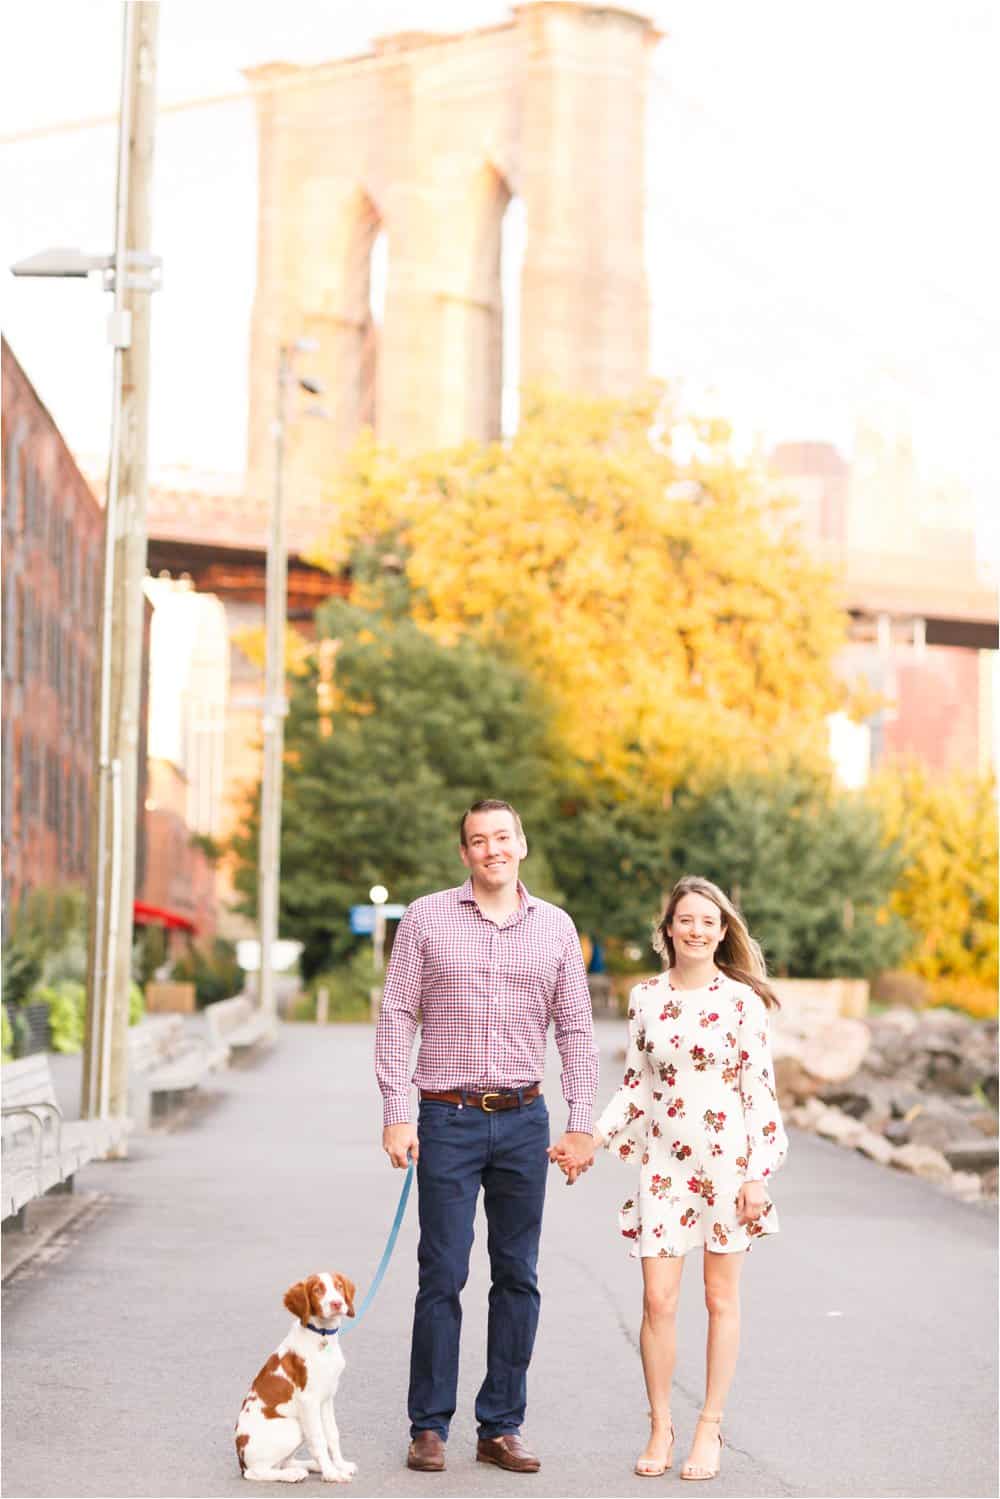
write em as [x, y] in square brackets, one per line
[647, 1468]
[695, 1471]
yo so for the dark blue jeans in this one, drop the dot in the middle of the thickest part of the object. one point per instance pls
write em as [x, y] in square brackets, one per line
[461, 1150]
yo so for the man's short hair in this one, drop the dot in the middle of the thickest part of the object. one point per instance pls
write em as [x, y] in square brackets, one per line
[489, 804]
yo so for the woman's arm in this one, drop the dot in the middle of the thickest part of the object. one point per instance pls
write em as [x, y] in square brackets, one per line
[766, 1139]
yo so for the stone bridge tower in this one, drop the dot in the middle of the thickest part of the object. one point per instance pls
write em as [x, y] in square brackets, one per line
[427, 139]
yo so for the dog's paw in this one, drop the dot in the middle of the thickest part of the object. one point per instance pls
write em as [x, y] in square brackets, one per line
[349, 1468]
[336, 1475]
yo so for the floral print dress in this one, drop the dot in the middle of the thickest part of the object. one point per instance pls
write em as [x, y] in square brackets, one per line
[697, 1111]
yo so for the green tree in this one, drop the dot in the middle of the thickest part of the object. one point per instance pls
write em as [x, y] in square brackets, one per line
[610, 856]
[381, 761]
[678, 621]
[808, 866]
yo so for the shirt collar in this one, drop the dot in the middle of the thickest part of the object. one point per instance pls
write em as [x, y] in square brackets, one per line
[466, 895]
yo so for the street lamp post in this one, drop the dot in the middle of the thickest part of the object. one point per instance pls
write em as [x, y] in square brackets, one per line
[378, 895]
[130, 273]
[275, 702]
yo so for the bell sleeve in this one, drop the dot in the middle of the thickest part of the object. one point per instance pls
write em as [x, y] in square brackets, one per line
[767, 1143]
[624, 1124]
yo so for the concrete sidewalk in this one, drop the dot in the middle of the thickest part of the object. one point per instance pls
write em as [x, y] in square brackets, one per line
[869, 1347]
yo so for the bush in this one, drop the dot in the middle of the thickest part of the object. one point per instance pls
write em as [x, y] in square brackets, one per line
[966, 994]
[136, 1004]
[22, 969]
[7, 1033]
[349, 988]
[215, 974]
[67, 1002]
[947, 889]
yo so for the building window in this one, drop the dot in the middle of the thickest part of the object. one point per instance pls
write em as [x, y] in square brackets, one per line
[12, 488]
[10, 632]
[9, 779]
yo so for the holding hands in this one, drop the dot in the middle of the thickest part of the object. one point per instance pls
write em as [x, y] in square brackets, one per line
[574, 1154]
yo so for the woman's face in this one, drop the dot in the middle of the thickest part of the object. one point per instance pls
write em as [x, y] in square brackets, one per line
[697, 927]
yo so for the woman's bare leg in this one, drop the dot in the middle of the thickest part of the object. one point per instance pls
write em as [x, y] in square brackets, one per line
[722, 1297]
[661, 1284]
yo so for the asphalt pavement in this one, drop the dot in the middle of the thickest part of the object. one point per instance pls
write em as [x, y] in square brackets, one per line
[869, 1362]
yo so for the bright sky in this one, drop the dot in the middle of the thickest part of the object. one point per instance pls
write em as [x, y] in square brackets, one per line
[820, 190]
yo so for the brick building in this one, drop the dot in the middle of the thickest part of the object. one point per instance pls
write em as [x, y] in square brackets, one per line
[51, 570]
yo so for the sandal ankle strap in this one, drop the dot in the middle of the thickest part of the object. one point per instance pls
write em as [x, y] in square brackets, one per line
[705, 1416]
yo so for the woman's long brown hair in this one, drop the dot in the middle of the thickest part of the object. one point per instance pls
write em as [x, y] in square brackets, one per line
[738, 956]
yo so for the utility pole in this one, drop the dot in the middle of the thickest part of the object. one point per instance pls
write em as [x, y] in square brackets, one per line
[113, 843]
[275, 708]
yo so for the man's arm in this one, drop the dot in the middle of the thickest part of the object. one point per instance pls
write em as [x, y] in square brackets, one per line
[574, 1031]
[397, 1025]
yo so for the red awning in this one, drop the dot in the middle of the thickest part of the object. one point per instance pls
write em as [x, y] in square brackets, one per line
[146, 915]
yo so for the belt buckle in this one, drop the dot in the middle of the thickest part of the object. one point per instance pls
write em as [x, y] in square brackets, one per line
[485, 1108]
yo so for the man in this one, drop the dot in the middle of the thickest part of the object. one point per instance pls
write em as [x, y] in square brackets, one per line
[486, 966]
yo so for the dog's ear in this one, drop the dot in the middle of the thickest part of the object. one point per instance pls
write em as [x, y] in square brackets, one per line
[297, 1301]
[347, 1286]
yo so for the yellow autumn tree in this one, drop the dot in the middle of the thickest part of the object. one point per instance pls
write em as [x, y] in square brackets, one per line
[678, 623]
[947, 829]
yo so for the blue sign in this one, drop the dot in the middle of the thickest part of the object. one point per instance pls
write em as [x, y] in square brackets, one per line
[363, 918]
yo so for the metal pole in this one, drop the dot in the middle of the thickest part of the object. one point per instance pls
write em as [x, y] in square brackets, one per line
[98, 955]
[269, 858]
[378, 939]
[112, 889]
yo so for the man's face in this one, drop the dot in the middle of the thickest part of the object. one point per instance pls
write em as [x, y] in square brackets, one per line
[493, 850]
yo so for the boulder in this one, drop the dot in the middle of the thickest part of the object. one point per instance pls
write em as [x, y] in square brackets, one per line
[825, 1056]
[903, 1100]
[839, 1127]
[972, 1155]
[966, 1185]
[876, 1147]
[852, 1101]
[940, 1123]
[921, 1160]
[807, 1114]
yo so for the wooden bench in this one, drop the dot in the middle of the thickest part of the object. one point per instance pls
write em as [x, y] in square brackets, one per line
[41, 1150]
[238, 1023]
[165, 1062]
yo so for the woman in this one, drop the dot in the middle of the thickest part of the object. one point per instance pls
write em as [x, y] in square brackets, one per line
[697, 1110]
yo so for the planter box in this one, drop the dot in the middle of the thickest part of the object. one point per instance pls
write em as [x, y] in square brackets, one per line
[170, 998]
[807, 1004]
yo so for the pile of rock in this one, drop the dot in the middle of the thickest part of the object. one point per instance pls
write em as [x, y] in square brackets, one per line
[912, 1089]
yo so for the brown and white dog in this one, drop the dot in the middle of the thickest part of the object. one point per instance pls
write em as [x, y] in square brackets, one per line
[291, 1400]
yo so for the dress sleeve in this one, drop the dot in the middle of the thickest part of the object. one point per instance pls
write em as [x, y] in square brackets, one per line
[624, 1123]
[767, 1143]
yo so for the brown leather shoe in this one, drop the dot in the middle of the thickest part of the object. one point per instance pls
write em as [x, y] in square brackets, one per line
[507, 1452]
[426, 1453]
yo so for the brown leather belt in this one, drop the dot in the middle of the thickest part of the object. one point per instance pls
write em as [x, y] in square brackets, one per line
[492, 1102]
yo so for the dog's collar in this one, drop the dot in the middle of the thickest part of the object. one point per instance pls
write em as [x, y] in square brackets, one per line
[324, 1332]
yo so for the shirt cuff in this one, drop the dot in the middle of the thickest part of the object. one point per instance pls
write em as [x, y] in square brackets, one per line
[581, 1119]
[396, 1108]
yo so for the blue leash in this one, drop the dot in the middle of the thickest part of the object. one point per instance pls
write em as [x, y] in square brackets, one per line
[386, 1253]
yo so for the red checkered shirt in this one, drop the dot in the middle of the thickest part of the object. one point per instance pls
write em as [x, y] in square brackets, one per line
[486, 994]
